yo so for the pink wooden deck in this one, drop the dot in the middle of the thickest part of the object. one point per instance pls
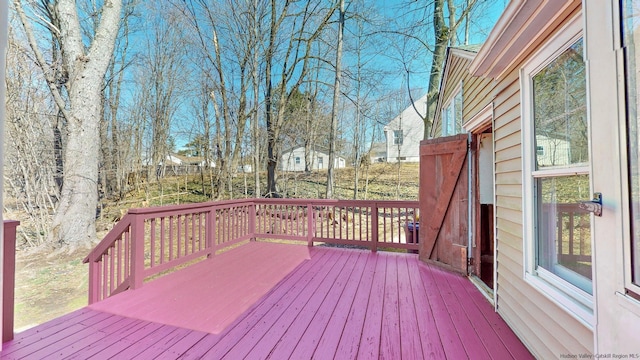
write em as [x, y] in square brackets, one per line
[265, 300]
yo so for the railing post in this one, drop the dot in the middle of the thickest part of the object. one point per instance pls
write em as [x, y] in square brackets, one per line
[137, 251]
[252, 221]
[374, 227]
[8, 278]
[311, 228]
[94, 281]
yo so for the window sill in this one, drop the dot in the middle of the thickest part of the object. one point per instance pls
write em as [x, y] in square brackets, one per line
[628, 303]
[575, 302]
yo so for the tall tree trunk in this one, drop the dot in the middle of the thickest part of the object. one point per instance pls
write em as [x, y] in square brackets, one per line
[441, 32]
[256, 105]
[74, 221]
[272, 136]
[333, 132]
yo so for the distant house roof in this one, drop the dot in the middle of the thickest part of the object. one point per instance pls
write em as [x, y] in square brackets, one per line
[378, 148]
[318, 149]
[469, 47]
[409, 114]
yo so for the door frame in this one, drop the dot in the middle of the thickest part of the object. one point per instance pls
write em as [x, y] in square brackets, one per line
[476, 126]
[617, 313]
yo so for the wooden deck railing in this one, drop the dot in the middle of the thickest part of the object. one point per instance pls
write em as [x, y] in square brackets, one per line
[571, 227]
[8, 278]
[149, 241]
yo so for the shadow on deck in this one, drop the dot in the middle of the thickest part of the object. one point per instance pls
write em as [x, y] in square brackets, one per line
[266, 300]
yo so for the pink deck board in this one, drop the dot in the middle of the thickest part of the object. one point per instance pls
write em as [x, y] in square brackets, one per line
[495, 322]
[370, 334]
[317, 325]
[315, 306]
[248, 331]
[179, 301]
[390, 333]
[351, 334]
[294, 319]
[464, 327]
[451, 342]
[326, 303]
[429, 333]
[329, 340]
[411, 342]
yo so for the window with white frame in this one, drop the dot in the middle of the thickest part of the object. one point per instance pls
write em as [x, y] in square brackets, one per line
[556, 170]
[452, 115]
[297, 160]
[397, 137]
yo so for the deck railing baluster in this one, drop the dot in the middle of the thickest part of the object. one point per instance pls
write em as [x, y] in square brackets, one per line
[111, 269]
[152, 242]
[119, 262]
[171, 238]
[374, 227]
[162, 240]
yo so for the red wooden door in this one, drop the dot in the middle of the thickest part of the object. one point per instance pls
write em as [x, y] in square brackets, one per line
[444, 202]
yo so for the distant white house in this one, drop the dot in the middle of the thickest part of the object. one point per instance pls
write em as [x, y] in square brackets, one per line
[404, 133]
[293, 160]
[552, 152]
[378, 152]
[177, 160]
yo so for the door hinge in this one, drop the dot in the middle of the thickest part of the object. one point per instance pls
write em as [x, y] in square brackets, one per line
[470, 261]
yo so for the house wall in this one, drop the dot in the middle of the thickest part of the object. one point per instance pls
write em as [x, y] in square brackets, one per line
[476, 91]
[544, 326]
[413, 132]
[288, 160]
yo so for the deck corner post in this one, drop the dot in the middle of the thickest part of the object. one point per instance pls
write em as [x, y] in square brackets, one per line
[310, 225]
[8, 278]
[252, 220]
[137, 251]
[374, 227]
[94, 282]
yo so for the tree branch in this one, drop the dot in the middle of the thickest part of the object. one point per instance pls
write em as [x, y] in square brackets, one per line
[46, 69]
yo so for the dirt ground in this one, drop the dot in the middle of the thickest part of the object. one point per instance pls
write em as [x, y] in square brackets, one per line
[48, 285]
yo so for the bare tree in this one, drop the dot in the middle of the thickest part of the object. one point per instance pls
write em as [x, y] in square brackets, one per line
[115, 144]
[85, 60]
[437, 24]
[307, 24]
[333, 131]
[30, 162]
[226, 39]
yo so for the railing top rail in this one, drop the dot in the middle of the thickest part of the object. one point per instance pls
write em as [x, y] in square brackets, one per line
[203, 205]
[329, 202]
[169, 208]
